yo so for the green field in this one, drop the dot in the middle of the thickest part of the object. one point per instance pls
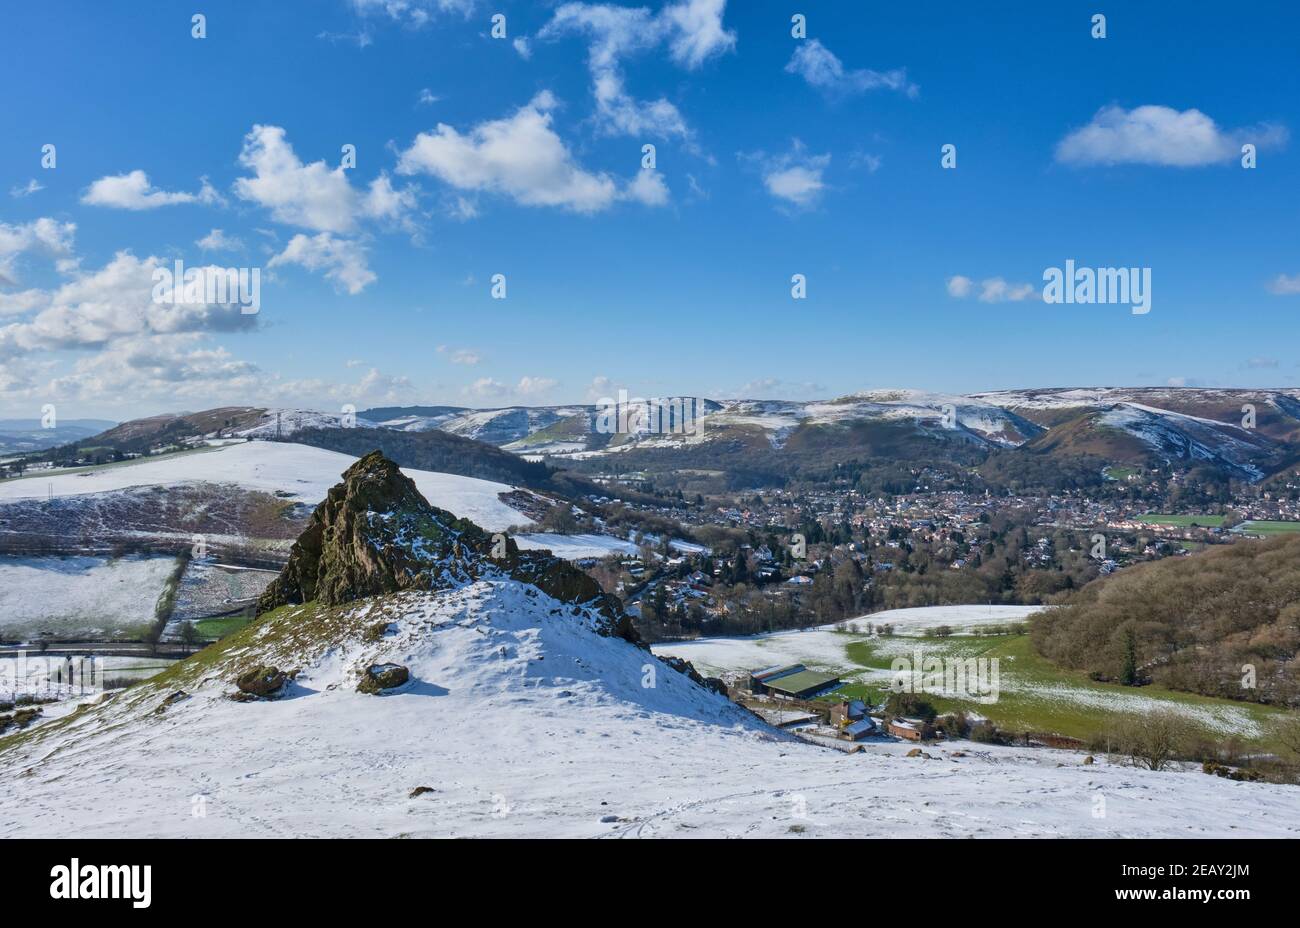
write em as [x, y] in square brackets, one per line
[1040, 697]
[1266, 527]
[220, 628]
[1204, 521]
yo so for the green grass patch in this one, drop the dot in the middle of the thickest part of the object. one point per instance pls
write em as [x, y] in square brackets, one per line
[220, 627]
[1200, 521]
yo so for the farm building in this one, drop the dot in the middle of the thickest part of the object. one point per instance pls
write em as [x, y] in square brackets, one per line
[909, 729]
[793, 681]
[856, 731]
[848, 711]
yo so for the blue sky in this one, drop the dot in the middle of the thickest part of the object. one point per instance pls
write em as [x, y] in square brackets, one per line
[522, 156]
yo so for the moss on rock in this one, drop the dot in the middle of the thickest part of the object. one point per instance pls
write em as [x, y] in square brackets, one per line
[379, 677]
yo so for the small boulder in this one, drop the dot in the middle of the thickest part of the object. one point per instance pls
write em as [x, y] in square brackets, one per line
[178, 696]
[263, 682]
[379, 677]
[1089, 760]
[421, 790]
[915, 752]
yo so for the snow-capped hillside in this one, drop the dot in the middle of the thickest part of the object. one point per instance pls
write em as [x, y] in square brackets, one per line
[1178, 437]
[295, 471]
[1175, 398]
[494, 426]
[282, 423]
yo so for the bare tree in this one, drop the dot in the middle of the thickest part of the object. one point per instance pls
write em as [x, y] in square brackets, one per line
[1152, 741]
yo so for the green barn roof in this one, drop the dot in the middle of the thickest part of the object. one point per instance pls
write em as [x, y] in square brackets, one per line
[802, 682]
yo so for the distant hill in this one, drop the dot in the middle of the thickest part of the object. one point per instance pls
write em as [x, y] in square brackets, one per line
[1246, 434]
[433, 451]
[1190, 623]
[1142, 426]
[140, 435]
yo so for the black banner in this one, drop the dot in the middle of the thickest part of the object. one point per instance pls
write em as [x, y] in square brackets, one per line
[140, 878]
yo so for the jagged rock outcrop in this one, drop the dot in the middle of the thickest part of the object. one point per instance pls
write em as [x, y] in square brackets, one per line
[375, 534]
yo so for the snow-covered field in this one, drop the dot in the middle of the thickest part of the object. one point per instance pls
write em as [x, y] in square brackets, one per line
[522, 722]
[824, 647]
[79, 596]
[575, 547]
[298, 471]
[961, 619]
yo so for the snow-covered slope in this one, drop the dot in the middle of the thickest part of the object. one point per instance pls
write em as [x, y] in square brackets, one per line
[520, 720]
[1177, 437]
[282, 423]
[297, 471]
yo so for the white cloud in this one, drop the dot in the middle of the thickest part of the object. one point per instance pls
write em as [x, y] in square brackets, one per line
[313, 196]
[26, 189]
[991, 289]
[488, 388]
[530, 386]
[342, 260]
[1284, 285]
[997, 290]
[460, 355]
[169, 368]
[794, 178]
[774, 388]
[217, 240]
[428, 97]
[819, 66]
[524, 49]
[959, 286]
[600, 388]
[97, 308]
[20, 302]
[47, 237]
[798, 184]
[520, 157]
[648, 187]
[412, 12]
[133, 191]
[1159, 135]
[691, 29]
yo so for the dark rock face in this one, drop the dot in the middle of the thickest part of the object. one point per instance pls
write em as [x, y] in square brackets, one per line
[263, 682]
[374, 534]
[682, 665]
[379, 677]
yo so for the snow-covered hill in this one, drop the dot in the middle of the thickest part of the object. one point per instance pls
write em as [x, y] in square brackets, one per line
[520, 720]
[295, 471]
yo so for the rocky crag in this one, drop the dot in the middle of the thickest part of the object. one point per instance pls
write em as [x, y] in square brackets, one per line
[374, 534]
